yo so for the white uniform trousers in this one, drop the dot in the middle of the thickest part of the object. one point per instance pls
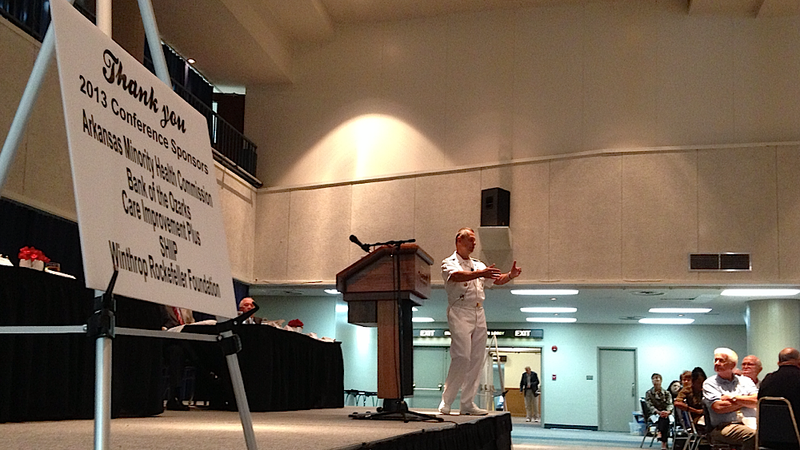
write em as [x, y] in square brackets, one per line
[467, 354]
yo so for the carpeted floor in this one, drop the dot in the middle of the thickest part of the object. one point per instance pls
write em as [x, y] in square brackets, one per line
[200, 429]
[530, 436]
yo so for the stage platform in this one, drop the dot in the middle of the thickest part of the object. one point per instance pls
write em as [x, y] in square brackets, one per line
[316, 429]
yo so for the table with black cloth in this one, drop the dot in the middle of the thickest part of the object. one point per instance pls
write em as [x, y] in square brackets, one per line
[281, 370]
[51, 376]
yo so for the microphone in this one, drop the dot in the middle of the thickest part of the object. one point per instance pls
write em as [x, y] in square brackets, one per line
[355, 240]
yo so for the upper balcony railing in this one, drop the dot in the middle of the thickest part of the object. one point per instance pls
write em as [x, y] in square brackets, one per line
[231, 148]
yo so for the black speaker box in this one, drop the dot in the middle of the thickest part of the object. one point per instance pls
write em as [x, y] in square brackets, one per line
[495, 207]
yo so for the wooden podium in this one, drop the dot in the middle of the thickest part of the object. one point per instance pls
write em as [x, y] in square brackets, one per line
[380, 290]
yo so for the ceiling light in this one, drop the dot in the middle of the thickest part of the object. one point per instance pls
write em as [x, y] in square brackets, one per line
[332, 292]
[190, 60]
[549, 292]
[760, 292]
[680, 310]
[549, 309]
[650, 321]
[422, 319]
[552, 319]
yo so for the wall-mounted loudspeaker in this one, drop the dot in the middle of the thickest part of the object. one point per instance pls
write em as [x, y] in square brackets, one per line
[495, 207]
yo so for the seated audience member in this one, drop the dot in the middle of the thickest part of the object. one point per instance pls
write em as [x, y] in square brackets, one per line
[659, 404]
[176, 352]
[690, 398]
[728, 398]
[245, 305]
[675, 387]
[751, 367]
[784, 382]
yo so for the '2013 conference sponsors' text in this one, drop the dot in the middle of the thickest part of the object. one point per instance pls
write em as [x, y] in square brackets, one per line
[143, 200]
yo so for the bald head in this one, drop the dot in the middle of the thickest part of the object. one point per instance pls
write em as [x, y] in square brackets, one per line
[789, 357]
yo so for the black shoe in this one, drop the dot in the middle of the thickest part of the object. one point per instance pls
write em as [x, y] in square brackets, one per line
[176, 405]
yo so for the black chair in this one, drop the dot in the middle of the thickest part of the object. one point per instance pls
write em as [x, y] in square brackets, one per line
[650, 427]
[685, 423]
[777, 426]
[707, 436]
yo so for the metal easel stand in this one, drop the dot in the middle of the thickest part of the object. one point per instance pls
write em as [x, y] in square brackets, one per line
[101, 328]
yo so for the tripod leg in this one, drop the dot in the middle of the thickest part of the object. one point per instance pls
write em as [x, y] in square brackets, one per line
[241, 399]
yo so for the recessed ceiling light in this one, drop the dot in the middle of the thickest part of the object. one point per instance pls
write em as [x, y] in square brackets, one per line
[332, 292]
[680, 310]
[549, 309]
[422, 319]
[190, 60]
[760, 292]
[650, 321]
[549, 292]
[552, 319]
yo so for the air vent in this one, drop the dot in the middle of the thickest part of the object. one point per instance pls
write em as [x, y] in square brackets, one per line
[719, 262]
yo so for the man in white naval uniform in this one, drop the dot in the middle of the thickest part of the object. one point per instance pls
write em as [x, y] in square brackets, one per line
[464, 279]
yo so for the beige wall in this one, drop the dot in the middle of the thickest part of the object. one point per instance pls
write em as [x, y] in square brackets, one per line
[608, 218]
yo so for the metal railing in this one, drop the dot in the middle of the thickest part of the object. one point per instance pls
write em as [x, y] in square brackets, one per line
[231, 148]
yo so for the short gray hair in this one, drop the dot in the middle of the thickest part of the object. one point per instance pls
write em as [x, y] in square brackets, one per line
[732, 356]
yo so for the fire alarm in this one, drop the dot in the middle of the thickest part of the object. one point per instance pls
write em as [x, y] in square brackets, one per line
[555, 349]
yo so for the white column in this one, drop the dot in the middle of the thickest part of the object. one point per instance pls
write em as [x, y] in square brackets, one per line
[772, 325]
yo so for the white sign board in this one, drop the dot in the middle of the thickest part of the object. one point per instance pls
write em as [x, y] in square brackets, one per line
[144, 177]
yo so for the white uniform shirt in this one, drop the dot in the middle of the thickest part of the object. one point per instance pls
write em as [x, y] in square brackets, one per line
[465, 293]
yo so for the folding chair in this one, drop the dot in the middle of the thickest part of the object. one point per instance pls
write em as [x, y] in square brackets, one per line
[707, 436]
[649, 425]
[777, 426]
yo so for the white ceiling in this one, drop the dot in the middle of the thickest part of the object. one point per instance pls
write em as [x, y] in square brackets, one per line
[246, 42]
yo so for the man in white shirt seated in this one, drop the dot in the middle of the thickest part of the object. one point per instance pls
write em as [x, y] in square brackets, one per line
[731, 400]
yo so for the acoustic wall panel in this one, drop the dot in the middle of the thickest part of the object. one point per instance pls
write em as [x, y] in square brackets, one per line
[585, 219]
[319, 226]
[737, 209]
[659, 215]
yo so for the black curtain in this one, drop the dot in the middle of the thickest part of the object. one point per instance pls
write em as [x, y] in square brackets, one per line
[23, 226]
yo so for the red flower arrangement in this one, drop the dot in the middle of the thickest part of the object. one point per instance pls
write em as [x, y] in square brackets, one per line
[32, 254]
[295, 323]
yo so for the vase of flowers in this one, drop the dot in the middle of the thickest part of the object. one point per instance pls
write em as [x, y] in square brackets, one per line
[295, 325]
[32, 258]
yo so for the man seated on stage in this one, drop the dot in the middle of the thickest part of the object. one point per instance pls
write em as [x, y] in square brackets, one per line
[784, 382]
[729, 398]
[245, 305]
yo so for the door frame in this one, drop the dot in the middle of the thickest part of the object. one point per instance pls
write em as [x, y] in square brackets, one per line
[635, 376]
